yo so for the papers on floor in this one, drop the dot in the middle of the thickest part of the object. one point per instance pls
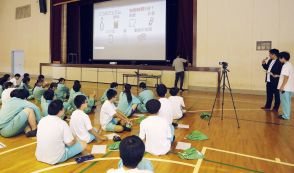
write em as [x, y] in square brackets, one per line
[111, 135]
[2, 145]
[98, 149]
[183, 126]
[183, 146]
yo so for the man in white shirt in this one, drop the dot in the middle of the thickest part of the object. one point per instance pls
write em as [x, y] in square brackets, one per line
[55, 142]
[15, 80]
[165, 110]
[273, 69]
[155, 130]
[80, 123]
[7, 89]
[286, 85]
[177, 102]
[131, 150]
[178, 64]
[110, 119]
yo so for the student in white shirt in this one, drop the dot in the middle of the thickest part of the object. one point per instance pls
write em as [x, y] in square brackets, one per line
[131, 151]
[15, 80]
[80, 123]
[55, 142]
[155, 130]
[177, 102]
[286, 85]
[166, 107]
[111, 119]
[7, 89]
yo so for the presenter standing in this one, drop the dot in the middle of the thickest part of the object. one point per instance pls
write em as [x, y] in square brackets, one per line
[178, 64]
[273, 69]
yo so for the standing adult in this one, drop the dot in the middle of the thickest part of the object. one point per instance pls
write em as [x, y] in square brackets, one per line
[273, 69]
[178, 64]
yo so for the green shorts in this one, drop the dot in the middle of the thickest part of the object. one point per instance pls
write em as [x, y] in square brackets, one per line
[16, 125]
[71, 151]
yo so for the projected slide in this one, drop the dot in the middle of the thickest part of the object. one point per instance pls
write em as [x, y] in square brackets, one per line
[129, 30]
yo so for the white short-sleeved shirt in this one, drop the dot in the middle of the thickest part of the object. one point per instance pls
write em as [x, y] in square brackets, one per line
[53, 133]
[157, 134]
[14, 81]
[6, 95]
[108, 110]
[121, 170]
[165, 110]
[177, 103]
[178, 63]
[80, 124]
[287, 70]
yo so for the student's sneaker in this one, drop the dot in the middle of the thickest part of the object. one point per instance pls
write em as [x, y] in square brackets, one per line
[175, 124]
[31, 133]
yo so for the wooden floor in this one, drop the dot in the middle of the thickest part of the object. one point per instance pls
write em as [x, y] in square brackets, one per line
[263, 143]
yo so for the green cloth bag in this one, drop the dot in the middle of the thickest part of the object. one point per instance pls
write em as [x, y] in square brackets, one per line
[190, 154]
[114, 146]
[205, 115]
[197, 136]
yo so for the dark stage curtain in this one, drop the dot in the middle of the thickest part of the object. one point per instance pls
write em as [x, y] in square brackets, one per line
[185, 29]
[55, 32]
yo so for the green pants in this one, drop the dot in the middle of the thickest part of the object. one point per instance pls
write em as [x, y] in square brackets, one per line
[15, 126]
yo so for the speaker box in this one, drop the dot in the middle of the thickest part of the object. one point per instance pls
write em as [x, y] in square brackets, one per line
[43, 6]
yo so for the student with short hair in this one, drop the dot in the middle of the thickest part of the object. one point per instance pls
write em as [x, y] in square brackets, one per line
[55, 142]
[77, 91]
[42, 78]
[166, 106]
[177, 103]
[62, 92]
[3, 80]
[144, 96]
[46, 99]
[80, 123]
[131, 150]
[113, 86]
[127, 102]
[7, 89]
[286, 85]
[38, 90]
[25, 84]
[155, 130]
[53, 86]
[26, 75]
[111, 119]
[18, 115]
[15, 80]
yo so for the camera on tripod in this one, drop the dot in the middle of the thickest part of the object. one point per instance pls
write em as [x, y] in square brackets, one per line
[224, 64]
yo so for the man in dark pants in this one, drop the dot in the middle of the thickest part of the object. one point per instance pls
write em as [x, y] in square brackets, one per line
[273, 69]
[178, 64]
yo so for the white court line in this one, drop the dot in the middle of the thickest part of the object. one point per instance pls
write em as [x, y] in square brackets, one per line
[278, 160]
[23, 146]
[199, 162]
[112, 158]
[225, 110]
[229, 100]
[250, 156]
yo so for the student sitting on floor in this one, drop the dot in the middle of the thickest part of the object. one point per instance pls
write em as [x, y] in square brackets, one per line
[77, 89]
[26, 75]
[131, 151]
[38, 90]
[144, 96]
[127, 102]
[3, 80]
[72, 92]
[62, 92]
[109, 117]
[25, 84]
[177, 102]
[18, 115]
[166, 106]
[15, 80]
[55, 142]
[113, 86]
[46, 99]
[7, 89]
[42, 78]
[155, 130]
[80, 123]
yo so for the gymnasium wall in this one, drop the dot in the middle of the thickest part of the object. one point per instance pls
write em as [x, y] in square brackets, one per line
[28, 34]
[227, 30]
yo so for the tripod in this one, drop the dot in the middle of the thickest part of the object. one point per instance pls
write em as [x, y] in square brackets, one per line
[223, 79]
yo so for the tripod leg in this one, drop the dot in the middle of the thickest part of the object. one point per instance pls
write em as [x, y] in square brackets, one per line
[217, 94]
[224, 87]
[229, 87]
